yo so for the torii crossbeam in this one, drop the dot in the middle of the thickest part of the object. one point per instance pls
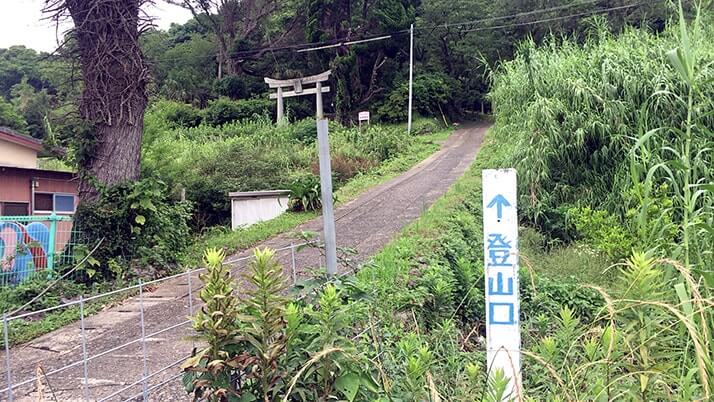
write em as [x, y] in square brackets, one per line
[294, 87]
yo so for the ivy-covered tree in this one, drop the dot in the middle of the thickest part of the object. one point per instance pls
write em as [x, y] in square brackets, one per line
[105, 40]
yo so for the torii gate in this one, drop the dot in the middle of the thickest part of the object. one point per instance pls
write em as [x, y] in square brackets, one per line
[323, 147]
[296, 84]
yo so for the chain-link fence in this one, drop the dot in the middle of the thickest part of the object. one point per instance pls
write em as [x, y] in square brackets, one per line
[35, 245]
[97, 360]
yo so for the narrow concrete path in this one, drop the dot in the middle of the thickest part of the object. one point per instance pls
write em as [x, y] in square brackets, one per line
[365, 224]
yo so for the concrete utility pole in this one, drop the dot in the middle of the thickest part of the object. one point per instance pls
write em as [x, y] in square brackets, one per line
[411, 76]
[323, 147]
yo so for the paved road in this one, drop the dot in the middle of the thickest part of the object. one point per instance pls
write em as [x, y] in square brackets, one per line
[365, 224]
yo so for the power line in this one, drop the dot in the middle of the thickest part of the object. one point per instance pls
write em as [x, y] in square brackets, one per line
[583, 14]
[337, 42]
[517, 15]
[345, 41]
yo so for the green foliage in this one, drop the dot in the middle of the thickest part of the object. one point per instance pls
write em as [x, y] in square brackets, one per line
[184, 70]
[265, 323]
[175, 114]
[305, 194]
[33, 105]
[620, 125]
[209, 162]
[264, 348]
[13, 297]
[602, 230]
[143, 232]
[10, 118]
[432, 94]
[231, 86]
[224, 110]
[209, 371]
[650, 344]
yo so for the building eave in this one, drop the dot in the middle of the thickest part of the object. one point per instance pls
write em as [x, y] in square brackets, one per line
[20, 139]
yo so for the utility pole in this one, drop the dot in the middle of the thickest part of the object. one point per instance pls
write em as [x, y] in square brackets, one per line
[411, 76]
[323, 147]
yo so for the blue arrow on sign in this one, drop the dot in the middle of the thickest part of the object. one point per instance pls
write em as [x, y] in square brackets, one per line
[499, 201]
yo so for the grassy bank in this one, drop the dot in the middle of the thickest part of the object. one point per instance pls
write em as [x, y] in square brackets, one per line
[410, 324]
[418, 149]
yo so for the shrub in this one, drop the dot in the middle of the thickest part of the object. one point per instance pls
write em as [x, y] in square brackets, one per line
[585, 114]
[262, 347]
[426, 126]
[231, 86]
[143, 232]
[602, 230]
[305, 194]
[432, 94]
[345, 167]
[235, 166]
[176, 114]
[223, 110]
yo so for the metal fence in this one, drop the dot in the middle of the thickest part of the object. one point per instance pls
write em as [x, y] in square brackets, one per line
[152, 370]
[34, 245]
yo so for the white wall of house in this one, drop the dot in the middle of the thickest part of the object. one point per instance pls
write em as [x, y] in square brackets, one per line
[17, 156]
[249, 208]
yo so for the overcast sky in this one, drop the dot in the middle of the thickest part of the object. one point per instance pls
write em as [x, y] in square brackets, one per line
[21, 23]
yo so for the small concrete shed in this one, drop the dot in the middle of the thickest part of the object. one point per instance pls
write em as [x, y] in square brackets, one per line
[250, 207]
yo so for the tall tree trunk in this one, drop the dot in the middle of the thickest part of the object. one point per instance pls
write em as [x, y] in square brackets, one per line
[114, 97]
[115, 158]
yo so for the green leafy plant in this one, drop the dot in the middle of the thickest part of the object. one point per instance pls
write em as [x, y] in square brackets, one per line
[264, 321]
[144, 231]
[210, 372]
[305, 194]
[602, 230]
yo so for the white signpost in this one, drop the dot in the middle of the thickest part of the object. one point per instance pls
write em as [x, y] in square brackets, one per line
[363, 116]
[500, 244]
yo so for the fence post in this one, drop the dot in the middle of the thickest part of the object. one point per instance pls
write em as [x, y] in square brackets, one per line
[292, 256]
[51, 247]
[190, 305]
[143, 342]
[7, 358]
[85, 384]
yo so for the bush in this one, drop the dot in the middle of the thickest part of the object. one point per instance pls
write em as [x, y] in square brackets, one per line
[231, 86]
[236, 167]
[256, 345]
[426, 126]
[223, 110]
[176, 114]
[305, 194]
[432, 95]
[577, 112]
[143, 232]
[602, 230]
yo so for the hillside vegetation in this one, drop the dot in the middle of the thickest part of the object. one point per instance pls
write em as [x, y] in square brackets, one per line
[616, 253]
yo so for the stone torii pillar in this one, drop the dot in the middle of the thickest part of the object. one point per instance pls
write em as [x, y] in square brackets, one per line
[294, 87]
